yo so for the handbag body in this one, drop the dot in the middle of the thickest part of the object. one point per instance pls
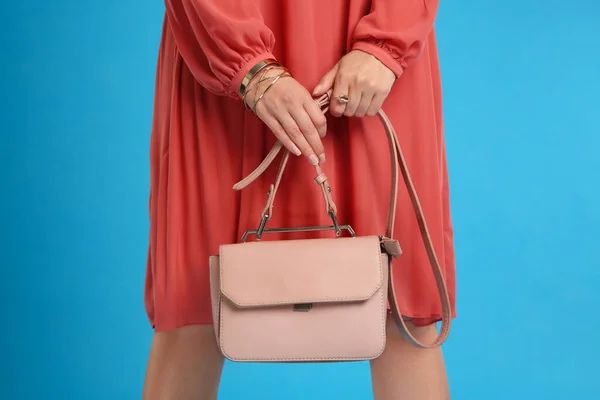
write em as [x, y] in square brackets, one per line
[314, 300]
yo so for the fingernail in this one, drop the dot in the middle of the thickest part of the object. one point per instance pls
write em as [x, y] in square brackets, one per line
[322, 158]
[317, 89]
[313, 159]
[296, 151]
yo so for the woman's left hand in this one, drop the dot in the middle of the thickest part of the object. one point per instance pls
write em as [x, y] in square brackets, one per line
[363, 78]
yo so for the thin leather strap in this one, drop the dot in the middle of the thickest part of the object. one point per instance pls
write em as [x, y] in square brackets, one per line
[268, 209]
[397, 161]
[320, 179]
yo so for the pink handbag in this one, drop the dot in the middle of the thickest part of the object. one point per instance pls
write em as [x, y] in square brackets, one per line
[314, 300]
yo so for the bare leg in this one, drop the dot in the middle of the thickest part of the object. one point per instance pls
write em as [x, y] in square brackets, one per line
[404, 372]
[184, 364]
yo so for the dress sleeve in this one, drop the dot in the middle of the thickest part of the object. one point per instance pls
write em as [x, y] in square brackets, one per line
[395, 31]
[220, 40]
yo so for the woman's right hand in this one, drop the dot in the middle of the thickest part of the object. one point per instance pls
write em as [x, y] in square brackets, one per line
[292, 114]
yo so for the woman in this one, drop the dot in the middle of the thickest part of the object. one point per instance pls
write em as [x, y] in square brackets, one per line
[370, 53]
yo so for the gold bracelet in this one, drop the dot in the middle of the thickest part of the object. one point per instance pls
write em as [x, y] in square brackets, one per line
[258, 79]
[253, 71]
[284, 74]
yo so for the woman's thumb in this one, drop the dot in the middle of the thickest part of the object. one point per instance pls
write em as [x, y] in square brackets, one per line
[326, 81]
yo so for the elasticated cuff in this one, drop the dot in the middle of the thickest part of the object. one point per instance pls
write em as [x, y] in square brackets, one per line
[234, 86]
[378, 50]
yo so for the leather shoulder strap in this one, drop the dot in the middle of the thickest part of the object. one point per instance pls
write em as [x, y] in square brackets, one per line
[397, 162]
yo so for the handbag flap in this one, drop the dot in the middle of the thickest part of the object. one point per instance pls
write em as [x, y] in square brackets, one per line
[301, 271]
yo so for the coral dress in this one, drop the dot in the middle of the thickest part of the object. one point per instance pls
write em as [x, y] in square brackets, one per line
[204, 141]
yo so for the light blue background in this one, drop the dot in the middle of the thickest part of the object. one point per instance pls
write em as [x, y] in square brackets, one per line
[521, 84]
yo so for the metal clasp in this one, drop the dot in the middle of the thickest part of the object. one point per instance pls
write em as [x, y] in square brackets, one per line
[261, 226]
[262, 229]
[336, 225]
[303, 307]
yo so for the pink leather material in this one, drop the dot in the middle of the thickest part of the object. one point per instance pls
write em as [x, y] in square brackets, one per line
[335, 330]
[398, 164]
[301, 271]
[255, 286]
[215, 291]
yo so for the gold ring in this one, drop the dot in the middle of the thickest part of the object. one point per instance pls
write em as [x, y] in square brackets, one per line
[344, 99]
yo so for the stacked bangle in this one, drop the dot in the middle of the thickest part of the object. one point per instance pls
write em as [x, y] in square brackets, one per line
[252, 73]
[262, 79]
[262, 68]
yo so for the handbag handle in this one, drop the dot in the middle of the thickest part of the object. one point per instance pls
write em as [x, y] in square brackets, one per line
[397, 162]
[321, 180]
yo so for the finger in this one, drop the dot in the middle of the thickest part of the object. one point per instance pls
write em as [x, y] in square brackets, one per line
[376, 104]
[326, 81]
[296, 135]
[317, 117]
[280, 133]
[309, 131]
[355, 98]
[340, 88]
[363, 107]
